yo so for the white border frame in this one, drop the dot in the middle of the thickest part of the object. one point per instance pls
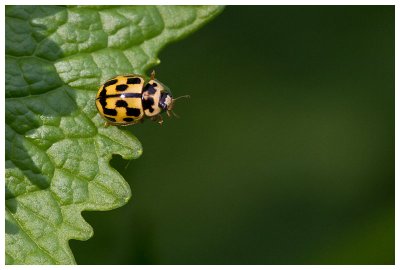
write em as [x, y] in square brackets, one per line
[207, 2]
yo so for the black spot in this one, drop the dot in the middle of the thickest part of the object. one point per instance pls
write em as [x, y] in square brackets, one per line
[103, 92]
[150, 89]
[132, 112]
[111, 82]
[121, 87]
[112, 112]
[110, 119]
[147, 104]
[133, 95]
[154, 84]
[133, 81]
[103, 102]
[128, 119]
[121, 103]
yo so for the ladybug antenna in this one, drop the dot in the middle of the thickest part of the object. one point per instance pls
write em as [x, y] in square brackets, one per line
[171, 106]
[153, 75]
[186, 96]
[177, 116]
[169, 112]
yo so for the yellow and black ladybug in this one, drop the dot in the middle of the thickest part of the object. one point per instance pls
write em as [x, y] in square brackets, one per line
[128, 99]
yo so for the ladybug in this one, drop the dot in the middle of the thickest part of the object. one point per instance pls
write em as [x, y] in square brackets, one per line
[128, 99]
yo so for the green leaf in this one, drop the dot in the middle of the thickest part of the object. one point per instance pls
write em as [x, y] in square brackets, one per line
[57, 149]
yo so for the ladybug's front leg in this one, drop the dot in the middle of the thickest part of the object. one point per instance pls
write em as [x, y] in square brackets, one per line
[157, 118]
[160, 120]
[153, 75]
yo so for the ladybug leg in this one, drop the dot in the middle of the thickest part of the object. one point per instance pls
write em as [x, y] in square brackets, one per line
[160, 120]
[107, 124]
[133, 123]
[152, 75]
[157, 118]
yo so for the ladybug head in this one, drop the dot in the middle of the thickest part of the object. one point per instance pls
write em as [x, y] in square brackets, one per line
[167, 102]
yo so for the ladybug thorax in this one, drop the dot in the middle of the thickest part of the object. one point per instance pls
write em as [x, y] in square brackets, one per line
[154, 98]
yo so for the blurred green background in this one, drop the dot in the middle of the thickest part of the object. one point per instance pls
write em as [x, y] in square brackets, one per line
[283, 155]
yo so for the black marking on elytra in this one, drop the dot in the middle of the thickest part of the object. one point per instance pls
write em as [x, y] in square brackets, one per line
[133, 95]
[121, 103]
[121, 87]
[112, 112]
[110, 82]
[110, 119]
[133, 81]
[148, 104]
[155, 84]
[128, 119]
[150, 89]
[132, 112]
[103, 92]
[103, 103]
[127, 95]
